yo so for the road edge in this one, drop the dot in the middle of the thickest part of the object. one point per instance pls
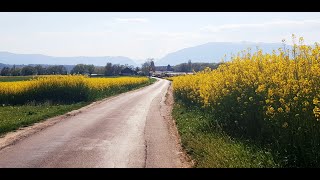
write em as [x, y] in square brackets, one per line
[185, 159]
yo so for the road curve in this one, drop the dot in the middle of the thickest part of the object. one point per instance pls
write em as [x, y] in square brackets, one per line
[128, 130]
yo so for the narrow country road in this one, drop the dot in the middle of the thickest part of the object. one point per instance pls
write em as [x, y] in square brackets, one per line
[128, 130]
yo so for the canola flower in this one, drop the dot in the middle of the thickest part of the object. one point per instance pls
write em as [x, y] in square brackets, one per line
[63, 88]
[274, 98]
[278, 81]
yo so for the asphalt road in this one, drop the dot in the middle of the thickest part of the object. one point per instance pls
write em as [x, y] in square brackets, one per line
[129, 130]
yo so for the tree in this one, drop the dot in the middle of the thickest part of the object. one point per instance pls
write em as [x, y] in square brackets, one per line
[79, 69]
[183, 67]
[5, 71]
[108, 70]
[28, 70]
[152, 66]
[117, 68]
[15, 71]
[56, 70]
[146, 68]
[189, 68]
[169, 68]
[90, 69]
[40, 70]
[137, 69]
[99, 70]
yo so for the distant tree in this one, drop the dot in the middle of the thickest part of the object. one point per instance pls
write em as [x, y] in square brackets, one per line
[169, 68]
[146, 68]
[189, 66]
[5, 71]
[56, 70]
[152, 66]
[183, 67]
[108, 69]
[14, 71]
[99, 70]
[40, 70]
[28, 70]
[117, 68]
[137, 69]
[62, 70]
[130, 67]
[50, 70]
[90, 69]
[79, 69]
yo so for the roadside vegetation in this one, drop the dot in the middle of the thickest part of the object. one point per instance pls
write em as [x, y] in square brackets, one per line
[15, 78]
[271, 101]
[210, 147]
[26, 102]
[14, 117]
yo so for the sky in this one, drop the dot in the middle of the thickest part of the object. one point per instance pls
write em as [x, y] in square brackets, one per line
[142, 35]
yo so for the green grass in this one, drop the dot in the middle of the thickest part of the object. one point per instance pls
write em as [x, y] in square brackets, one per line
[14, 117]
[211, 148]
[15, 78]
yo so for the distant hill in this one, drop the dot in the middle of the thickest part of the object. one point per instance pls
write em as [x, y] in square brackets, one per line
[213, 52]
[12, 58]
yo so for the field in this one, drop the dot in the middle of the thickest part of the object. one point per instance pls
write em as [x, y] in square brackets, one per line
[271, 101]
[15, 78]
[26, 102]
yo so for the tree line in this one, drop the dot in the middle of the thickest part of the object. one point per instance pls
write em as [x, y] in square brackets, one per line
[108, 70]
[190, 67]
[32, 70]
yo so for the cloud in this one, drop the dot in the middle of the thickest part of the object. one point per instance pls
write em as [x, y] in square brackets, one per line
[305, 24]
[132, 20]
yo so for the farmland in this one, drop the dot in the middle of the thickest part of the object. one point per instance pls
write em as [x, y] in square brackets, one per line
[15, 78]
[26, 102]
[269, 101]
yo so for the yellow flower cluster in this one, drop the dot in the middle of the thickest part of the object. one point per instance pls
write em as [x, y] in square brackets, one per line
[105, 83]
[71, 87]
[279, 83]
[273, 99]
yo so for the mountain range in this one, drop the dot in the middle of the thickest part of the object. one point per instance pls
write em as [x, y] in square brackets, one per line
[12, 58]
[211, 52]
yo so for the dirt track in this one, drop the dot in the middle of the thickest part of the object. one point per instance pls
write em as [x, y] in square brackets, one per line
[133, 129]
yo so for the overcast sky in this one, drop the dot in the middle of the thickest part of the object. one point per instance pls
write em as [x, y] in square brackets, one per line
[145, 35]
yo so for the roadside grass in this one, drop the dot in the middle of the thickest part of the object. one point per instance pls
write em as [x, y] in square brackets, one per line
[15, 117]
[213, 148]
[15, 78]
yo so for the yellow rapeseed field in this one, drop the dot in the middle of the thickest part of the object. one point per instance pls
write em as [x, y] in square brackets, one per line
[273, 98]
[64, 88]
